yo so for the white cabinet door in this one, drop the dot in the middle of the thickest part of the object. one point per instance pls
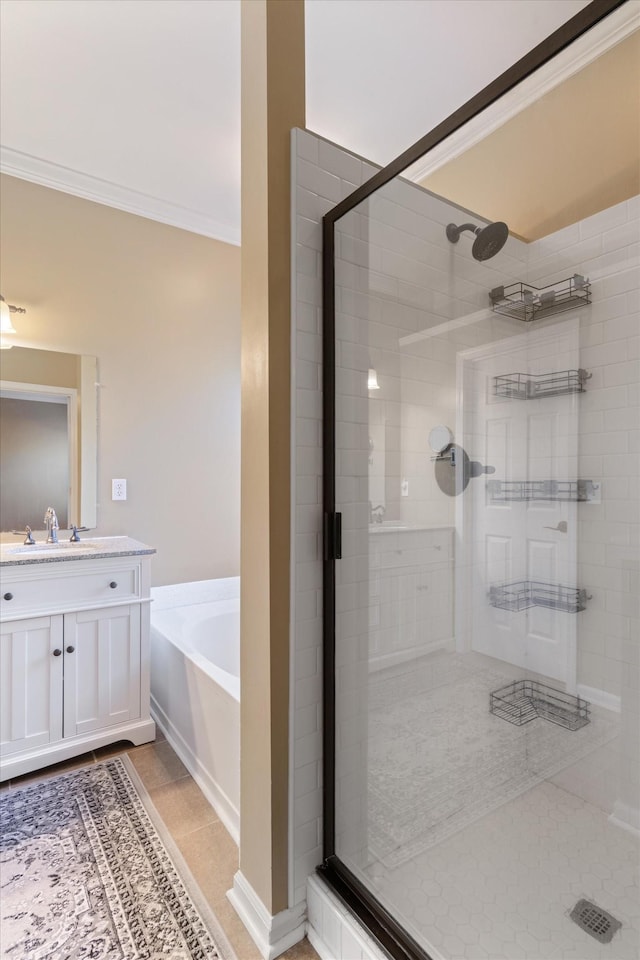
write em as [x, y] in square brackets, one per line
[101, 668]
[30, 684]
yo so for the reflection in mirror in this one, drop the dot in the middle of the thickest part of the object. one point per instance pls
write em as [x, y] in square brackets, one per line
[48, 438]
[377, 460]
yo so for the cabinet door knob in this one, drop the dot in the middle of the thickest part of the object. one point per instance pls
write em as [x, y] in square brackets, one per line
[113, 584]
[57, 652]
[70, 649]
[8, 596]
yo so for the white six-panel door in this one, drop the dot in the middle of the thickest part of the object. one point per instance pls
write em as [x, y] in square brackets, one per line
[522, 439]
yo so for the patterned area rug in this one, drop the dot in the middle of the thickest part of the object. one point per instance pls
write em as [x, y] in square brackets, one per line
[84, 875]
[438, 760]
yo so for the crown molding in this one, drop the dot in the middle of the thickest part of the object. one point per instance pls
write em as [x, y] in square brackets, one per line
[15, 163]
[617, 26]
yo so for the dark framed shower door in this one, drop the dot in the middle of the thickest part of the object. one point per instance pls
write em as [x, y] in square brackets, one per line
[342, 841]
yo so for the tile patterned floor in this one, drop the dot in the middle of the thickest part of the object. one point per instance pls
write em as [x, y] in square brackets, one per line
[210, 852]
[502, 888]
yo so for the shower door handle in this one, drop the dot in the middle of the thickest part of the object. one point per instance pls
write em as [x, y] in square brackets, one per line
[333, 536]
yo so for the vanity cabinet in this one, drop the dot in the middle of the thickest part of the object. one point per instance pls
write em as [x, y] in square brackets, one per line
[410, 592]
[101, 669]
[74, 659]
[30, 684]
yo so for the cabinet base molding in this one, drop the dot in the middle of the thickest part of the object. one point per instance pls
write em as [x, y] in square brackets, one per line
[138, 732]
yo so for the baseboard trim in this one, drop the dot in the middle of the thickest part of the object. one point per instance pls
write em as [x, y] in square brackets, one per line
[318, 944]
[404, 656]
[626, 817]
[216, 796]
[38, 758]
[272, 935]
[599, 697]
[335, 933]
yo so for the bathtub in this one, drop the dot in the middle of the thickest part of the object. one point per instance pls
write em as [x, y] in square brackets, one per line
[195, 685]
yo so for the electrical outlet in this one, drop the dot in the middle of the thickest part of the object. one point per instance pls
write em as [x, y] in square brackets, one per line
[118, 489]
[404, 488]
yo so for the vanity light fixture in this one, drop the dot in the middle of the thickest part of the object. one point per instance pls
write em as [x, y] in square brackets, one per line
[372, 380]
[6, 327]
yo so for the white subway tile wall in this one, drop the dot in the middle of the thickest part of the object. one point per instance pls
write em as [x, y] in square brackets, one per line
[606, 249]
[609, 633]
[334, 931]
[321, 175]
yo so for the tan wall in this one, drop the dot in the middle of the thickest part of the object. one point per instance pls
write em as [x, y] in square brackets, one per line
[22, 365]
[272, 103]
[160, 308]
[579, 145]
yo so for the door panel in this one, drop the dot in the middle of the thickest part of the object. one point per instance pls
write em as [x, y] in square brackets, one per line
[102, 671]
[520, 540]
[31, 695]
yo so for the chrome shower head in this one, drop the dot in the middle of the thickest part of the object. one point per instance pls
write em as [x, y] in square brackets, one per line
[489, 240]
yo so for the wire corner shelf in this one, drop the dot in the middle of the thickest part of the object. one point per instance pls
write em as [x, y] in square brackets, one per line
[524, 700]
[561, 491]
[519, 595]
[527, 303]
[530, 386]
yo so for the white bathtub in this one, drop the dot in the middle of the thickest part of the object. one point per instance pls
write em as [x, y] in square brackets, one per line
[195, 685]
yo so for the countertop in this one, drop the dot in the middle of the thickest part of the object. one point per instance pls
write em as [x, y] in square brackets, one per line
[89, 548]
[408, 528]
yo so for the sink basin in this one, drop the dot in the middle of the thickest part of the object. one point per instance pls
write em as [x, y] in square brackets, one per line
[43, 548]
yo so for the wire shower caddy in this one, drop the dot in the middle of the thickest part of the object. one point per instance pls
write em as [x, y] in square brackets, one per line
[521, 594]
[561, 491]
[527, 302]
[524, 700]
[530, 386]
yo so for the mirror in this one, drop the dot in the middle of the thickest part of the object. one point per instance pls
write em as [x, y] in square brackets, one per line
[48, 412]
[440, 438]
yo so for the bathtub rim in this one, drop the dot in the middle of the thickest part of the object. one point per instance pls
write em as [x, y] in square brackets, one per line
[166, 625]
[176, 597]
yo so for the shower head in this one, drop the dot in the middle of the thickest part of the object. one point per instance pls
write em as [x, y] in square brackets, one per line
[489, 240]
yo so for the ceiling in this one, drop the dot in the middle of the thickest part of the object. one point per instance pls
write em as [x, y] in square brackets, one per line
[568, 155]
[136, 103]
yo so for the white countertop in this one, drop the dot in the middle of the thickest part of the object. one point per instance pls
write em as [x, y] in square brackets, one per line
[89, 548]
[407, 528]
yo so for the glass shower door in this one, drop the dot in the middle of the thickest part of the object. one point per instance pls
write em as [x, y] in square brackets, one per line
[471, 588]
[483, 674]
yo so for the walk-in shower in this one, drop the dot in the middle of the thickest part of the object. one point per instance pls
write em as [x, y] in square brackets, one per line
[482, 641]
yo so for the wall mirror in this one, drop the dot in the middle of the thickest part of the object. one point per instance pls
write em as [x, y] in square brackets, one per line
[48, 438]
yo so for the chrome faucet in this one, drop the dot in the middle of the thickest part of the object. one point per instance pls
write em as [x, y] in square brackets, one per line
[376, 513]
[51, 523]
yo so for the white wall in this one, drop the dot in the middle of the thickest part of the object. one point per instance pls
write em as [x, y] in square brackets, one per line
[413, 62]
[322, 175]
[606, 248]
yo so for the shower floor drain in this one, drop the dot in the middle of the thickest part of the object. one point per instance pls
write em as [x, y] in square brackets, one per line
[595, 921]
